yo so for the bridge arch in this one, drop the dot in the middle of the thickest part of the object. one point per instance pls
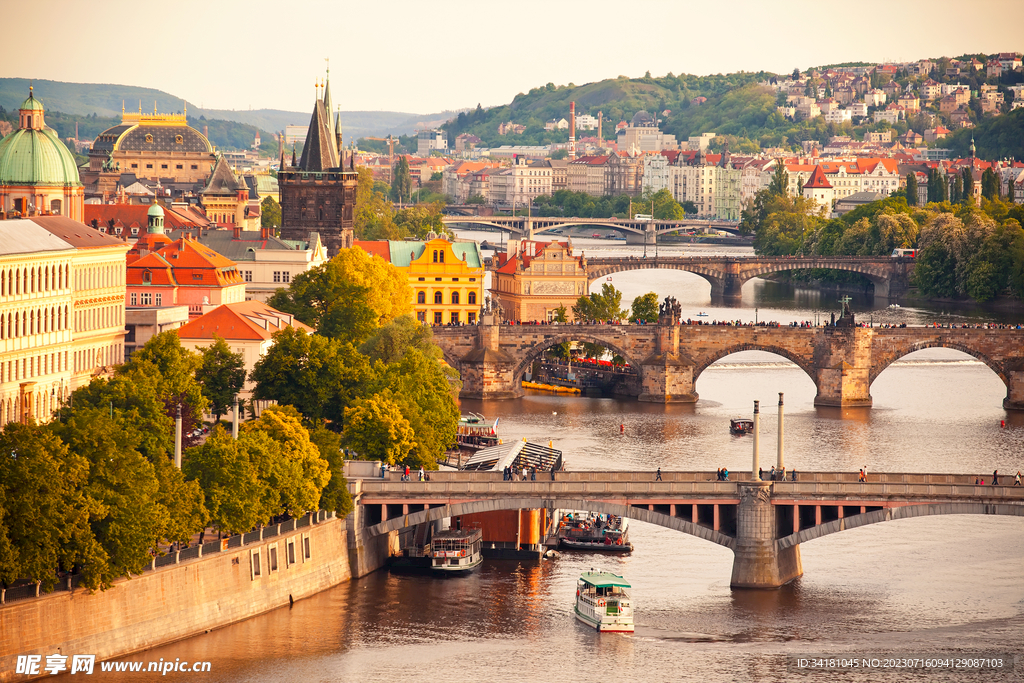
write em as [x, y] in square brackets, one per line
[538, 350]
[896, 513]
[805, 364]
[878, 278]
[712, 276]
[628, 511]
[887, 359]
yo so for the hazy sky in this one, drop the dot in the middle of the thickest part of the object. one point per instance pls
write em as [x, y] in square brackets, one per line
[424, 57]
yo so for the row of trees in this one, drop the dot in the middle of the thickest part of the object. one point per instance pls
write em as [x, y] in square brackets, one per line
[96, 490]
[570, 203]
[375, 215]
[963, 250]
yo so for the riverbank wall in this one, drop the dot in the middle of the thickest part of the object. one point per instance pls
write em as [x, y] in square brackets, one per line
[266, 570]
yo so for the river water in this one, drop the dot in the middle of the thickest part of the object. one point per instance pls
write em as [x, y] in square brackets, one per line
[922, 587]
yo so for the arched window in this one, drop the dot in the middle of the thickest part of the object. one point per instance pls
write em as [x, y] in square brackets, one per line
[455, 297]
[435, 256]
[421, 297]
[440, 255]
[472, 298]
[438, 298]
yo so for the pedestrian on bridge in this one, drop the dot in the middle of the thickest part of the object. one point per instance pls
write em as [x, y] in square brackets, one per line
[760, 473]
[1016, 482]
[995, 477]
[658, 477]
[793, 474]
[552, 473]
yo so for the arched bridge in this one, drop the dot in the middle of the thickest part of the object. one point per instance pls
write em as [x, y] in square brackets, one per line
[763, 523]
[636, 231]
[842, 362]
[890, 276]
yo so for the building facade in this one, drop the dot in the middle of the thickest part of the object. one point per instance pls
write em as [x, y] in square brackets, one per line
[446, 278]
[61, 312]
[533, 279]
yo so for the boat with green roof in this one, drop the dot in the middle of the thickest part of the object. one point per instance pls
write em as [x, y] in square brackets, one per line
[603, 602]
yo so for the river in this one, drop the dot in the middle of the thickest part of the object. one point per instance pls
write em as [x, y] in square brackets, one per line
[936, 585]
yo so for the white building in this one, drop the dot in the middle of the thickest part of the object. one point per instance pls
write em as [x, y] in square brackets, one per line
[586, 122]
[432, 140]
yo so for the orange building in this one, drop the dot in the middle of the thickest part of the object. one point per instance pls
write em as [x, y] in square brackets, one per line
[183, 272]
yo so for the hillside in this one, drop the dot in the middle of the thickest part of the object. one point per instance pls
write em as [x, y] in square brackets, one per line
[104, 100]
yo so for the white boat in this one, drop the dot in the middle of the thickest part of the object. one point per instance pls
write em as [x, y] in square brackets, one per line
[456, 551]
[591, 531]
[603, 602]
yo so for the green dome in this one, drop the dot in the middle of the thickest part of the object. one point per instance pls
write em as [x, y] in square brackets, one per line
[36, 157]
[31, 103]
[155, 210]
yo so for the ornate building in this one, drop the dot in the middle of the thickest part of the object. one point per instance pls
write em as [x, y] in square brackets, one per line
[533, 279]
[154, 146]
[62, 316]
[317, 193]
[226, 198]
[38, 175]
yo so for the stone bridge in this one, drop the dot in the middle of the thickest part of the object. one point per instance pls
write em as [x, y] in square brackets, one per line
[763, 523]
[841, 361]
[636, 232]
[890, 276]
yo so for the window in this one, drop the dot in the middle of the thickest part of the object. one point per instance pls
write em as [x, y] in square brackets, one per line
[441, 255]
[289, 558]
[135, 165]
[272, 558]
[277, 276]
[455, 318]
[421, 316]
[55, 206]
[195, 167]
[197, 276]
[455, 279]
[437, 279]
[438, 298]
[159, 299]
[421, 297]
[305, 548]
[455, 298]
[435, 256]
[472, 318]
[147, 299]
[149, 165]
[147, 276]
[286, 276]
[179, 167]
[254, 563]
[421, 279]
[248, 276]
[163, 166]
[472, 298]
[437, 318]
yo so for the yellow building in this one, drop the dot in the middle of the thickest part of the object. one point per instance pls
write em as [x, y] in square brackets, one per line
[62, 288]
[532, 280]
[446, 278]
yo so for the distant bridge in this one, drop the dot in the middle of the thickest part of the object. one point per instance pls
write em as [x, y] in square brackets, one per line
[763, 523]
[636, 231]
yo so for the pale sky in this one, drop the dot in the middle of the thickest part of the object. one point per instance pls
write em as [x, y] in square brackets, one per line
[434, 55]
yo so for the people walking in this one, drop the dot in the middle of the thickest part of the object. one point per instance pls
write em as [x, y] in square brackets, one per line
[793, 474]
[422, 474]
[995, 477]
[862, 477]
[533, 474]
[1016, 482]
[725, 474]
[383, 469]
[552, 473]
[771, 473]
[658, 477]
[524, 472]
[760, 473]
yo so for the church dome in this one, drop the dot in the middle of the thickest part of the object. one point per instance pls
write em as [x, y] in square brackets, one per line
[643, 119]
[156, 210]
[36, 157]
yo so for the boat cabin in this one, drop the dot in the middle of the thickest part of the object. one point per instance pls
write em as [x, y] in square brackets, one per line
[741, 426]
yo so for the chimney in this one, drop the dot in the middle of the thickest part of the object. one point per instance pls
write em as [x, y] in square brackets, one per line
[265, 233]
[600, 120]
[206, 132]
[236, 232]
[572, 130]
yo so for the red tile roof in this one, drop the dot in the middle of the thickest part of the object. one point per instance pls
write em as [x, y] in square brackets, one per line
[817, 180]
[246, 320]
[375, 248]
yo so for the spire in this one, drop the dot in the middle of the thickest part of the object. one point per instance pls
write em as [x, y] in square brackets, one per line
[327, 99]
[338, 137]
[973, 150]
[293, 156]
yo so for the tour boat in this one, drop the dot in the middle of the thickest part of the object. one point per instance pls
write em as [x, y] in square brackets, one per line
[603, 602]
[456, 551]
[476, 432]
[741, 426]
[583, 531]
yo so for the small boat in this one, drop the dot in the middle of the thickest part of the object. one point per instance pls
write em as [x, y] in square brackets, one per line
[741, 426]
[591, 531]
[702, 314]
[608, 279]
[476, 432]
[603, 602]
[456, 551]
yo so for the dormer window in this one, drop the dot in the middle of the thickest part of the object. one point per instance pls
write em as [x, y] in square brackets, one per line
[149, 138]
[135, 231]
[147, 277]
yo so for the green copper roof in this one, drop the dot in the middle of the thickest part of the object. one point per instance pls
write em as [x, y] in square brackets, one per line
[604, 579]
[31, 103]
[155, 210]
[402, 253]
[36, 157]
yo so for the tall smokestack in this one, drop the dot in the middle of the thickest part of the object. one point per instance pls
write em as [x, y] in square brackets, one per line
[600, 120]
[781, 464]
[757, 445]
[572, 130]
[206, 132]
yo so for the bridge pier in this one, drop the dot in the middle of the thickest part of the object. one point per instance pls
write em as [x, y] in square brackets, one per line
[758, 562]
[488, 372]
[843, 360]
[667, 375]
[1015, 387]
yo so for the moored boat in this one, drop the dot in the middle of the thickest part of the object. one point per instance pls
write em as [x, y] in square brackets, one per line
[476, 432]
[583, 531]
[603, 602]
[456, 551]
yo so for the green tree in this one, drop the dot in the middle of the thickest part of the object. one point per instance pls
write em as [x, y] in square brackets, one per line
[968, 182]
[911, 192]
[221, 374]
[317, 375]
[175, 368]
[335, 496]
[348, 297]
[299, 474]
[606, 306]
[645, 308]
[376, 429]
[990, 185]
[270, 213]
[44, 513]
[779, 184]
[390, 342]
[401, 184]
